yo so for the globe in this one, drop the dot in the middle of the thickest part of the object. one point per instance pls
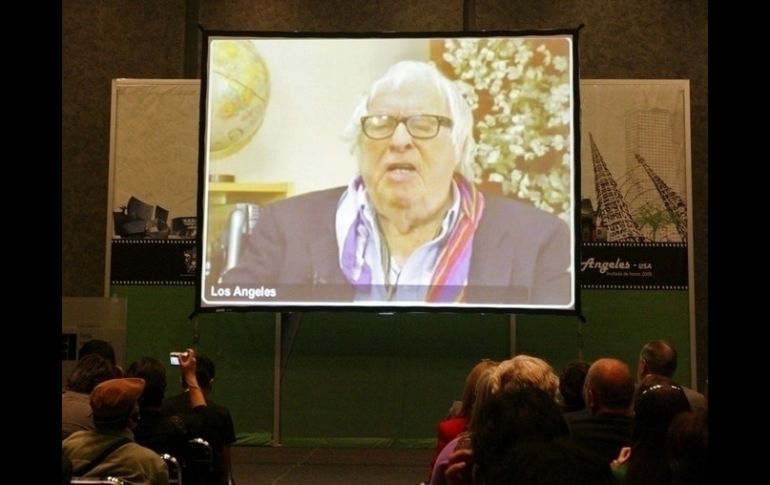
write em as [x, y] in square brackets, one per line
[239, 87]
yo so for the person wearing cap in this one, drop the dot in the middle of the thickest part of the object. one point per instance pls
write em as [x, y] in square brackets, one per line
[110, 450]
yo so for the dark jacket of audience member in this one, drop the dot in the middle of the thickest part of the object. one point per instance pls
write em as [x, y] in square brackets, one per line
[604, 427]
[559, 462]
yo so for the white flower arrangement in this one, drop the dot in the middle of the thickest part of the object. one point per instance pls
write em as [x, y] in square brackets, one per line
[520, 92]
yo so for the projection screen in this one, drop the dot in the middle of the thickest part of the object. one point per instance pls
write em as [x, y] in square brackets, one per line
[389, 172]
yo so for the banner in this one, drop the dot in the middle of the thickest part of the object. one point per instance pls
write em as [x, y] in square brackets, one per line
[635, 184]
[152, 222]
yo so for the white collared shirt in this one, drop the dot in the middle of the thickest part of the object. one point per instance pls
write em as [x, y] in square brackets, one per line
[390, 282]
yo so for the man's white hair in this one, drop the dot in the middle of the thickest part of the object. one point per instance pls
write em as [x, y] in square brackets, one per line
[405, 72]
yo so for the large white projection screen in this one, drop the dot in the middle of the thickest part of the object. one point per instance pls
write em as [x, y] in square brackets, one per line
[391, 173]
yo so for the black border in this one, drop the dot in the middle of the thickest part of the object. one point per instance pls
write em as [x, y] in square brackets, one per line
[206, 34]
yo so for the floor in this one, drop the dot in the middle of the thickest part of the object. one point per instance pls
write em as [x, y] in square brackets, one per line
[320, 466]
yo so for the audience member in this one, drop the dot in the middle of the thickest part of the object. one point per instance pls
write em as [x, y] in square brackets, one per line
[219, 431]
[660, 358]
[461, 443]
[688, 448]
[604, 426]
[571, 386]
[110, 450]
[526, 371]
[100, 347]
[167, 434]
[509, 418]
[75, 400]
[656, 402]
[519, 372]
[449, 428]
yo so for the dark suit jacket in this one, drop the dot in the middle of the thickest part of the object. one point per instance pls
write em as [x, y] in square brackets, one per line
[603, 434]
[520, 253]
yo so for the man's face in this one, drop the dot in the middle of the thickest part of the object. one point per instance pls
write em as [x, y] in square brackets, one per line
[403, 172]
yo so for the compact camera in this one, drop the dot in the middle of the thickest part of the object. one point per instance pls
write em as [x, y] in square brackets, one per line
[173, 357]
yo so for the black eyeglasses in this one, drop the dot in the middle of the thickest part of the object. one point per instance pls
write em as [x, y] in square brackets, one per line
[423, 127]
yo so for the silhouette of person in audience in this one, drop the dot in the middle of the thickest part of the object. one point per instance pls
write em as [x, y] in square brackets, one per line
[604, 426]
[110, 450]
[219, 430]
[76, 399]
[456, 459]
[450, 428]
[171, 434]
[103, 348]
[511, 417]
[656, 403]
[659, 357]
[687, 444]
[571, 386]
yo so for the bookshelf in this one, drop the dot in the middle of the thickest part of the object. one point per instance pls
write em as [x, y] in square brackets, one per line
[254, 193]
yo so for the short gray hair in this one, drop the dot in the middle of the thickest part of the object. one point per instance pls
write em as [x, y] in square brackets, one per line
[526, 371]
[406, 71]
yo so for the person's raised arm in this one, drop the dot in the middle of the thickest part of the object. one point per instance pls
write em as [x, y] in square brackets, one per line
[195, 393]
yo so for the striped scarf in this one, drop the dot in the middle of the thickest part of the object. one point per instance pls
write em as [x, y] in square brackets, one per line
[454, 261]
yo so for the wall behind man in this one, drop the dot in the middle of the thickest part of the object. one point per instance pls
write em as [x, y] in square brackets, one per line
[309, 106]
[102, 41]
[158, 39]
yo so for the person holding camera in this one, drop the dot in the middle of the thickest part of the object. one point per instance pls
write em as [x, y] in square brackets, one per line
[169, 434]
[220, 433]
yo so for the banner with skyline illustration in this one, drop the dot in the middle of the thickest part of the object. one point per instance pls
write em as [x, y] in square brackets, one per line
[635, 184]
[152, 219]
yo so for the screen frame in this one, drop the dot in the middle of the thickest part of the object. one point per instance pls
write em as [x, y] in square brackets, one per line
[380, 306]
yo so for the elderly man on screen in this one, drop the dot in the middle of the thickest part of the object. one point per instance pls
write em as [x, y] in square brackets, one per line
[411, 226]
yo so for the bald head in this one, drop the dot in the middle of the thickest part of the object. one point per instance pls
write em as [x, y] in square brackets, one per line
[657, 357]
[609, 387]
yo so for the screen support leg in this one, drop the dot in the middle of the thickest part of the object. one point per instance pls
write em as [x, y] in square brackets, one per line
[286, 328]
[276, 441]
[512, 336]
[581, 321]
